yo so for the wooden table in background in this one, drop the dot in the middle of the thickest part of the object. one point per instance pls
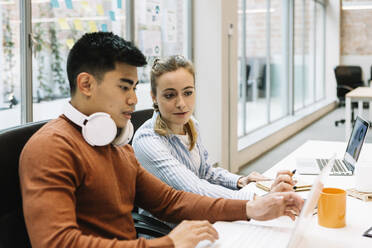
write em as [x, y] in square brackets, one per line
[360, 95]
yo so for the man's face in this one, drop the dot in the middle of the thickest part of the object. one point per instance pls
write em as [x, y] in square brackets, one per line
[115, 94]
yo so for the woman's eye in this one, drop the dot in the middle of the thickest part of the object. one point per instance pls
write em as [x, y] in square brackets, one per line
[188, 93]
[168, 96]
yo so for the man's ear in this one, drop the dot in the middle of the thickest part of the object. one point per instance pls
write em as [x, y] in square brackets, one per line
[85, 83]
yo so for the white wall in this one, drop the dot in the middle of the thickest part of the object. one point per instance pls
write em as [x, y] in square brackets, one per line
[364, 61]
[211, 23]
[207, 60]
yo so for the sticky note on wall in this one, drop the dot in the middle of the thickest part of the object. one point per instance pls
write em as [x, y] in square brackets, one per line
[92, 26]
[54, 3]
[112, 15]
[85, 4]
[70, 43]
[119, 4]
[68, 4]
[104, 27]
[63, 24]
[78, 25]
[100, 9]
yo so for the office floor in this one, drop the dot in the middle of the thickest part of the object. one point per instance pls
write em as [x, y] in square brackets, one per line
[323, 129]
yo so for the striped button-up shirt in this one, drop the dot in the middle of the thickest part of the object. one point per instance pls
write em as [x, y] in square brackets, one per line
[169, 159]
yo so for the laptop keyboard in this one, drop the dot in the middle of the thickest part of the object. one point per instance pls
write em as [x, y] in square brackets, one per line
[339, 167]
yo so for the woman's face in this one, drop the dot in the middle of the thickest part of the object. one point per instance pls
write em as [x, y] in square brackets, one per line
[175, 96]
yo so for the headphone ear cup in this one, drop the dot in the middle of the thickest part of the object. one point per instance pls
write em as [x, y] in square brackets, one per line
[125, 135]
[99, 130]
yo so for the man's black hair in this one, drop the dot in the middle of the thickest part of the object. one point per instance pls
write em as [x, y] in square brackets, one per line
[96, 53]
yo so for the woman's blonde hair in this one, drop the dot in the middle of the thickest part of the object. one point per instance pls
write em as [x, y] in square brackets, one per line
[160, 67]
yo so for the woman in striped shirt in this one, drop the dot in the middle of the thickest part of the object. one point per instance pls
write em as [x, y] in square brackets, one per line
[169, 145]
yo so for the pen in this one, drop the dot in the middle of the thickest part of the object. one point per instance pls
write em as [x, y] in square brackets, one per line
[293, 172]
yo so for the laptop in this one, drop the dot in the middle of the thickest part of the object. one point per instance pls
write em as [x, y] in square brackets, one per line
[239, 234]
[344, 167]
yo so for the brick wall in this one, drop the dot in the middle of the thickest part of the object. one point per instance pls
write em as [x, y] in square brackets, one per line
[356, 32]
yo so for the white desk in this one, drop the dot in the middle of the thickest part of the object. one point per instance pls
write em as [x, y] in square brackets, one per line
[360, 94]
[358, 213]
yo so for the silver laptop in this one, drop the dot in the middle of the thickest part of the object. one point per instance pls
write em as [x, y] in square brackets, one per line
[346, 166]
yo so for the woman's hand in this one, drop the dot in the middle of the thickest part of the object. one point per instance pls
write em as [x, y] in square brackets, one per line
[252, 177]
[283, 182]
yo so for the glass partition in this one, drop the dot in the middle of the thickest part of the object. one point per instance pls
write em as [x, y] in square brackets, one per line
[278, 61]
[265, 63]
[10, 64]
[252, 105]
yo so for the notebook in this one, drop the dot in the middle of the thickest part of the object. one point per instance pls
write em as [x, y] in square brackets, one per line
[344, 167]
[301, 185]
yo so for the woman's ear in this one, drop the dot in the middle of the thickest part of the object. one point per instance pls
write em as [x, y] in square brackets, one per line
[85, 83]
[153, 97]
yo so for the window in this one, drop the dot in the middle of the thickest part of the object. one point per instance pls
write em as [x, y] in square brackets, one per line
[278, 61]
[56, 25]
[309, 65]
[319, 51]
[158, 27]
[266, 60]
[252, 105]
[10, 64]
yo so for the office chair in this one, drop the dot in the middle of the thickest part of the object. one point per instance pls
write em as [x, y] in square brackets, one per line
[13, 231]
[262, 80]
[146, 224]
[139, 117]
[347, 78]
[12, 227]
[249, 85]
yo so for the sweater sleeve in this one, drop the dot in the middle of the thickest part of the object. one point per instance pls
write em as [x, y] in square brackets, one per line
[174, 206]
[49, 182]
[155, 156]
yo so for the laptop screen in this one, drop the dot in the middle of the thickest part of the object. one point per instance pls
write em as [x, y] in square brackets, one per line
[356, 140]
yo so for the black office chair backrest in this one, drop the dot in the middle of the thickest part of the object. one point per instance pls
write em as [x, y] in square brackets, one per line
[12, 227]
[347, 77]
[139, 117]
[13, 231]
[145, 224]
[247, 72]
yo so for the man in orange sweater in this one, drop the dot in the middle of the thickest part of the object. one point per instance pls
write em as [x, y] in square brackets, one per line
[79, 183]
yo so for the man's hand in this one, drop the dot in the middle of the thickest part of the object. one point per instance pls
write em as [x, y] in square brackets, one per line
[274, 205]
[283, 182]
[190, 233]
[252, 177]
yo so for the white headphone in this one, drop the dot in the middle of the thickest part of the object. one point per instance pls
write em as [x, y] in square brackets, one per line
[99, 129]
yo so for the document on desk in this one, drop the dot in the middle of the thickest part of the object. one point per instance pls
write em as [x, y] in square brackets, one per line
[250, 234]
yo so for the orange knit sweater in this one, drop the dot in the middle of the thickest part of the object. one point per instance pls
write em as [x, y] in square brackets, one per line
[76, 195]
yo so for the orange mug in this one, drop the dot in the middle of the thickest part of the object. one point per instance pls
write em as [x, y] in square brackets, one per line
[332, 208]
